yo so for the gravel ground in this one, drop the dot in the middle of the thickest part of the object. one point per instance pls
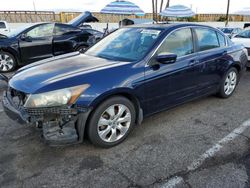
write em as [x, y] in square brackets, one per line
[154, 154]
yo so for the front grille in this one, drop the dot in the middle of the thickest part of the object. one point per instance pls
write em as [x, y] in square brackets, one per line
[50, 110]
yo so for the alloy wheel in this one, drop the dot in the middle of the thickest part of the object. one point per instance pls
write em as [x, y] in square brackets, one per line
[114, 123]
[230, 83]
[6, 62]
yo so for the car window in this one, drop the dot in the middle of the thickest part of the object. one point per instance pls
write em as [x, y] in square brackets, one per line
[179, 42]
[207, 39]
[61, 29]
[39, 31]
[244, 34]
[227, 30]
[126, 44]
[2, 25]
[222, 40]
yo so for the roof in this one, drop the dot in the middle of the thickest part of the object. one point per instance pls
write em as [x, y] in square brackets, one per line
[167, 26]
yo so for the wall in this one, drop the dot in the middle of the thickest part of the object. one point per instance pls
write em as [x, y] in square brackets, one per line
[43, 16]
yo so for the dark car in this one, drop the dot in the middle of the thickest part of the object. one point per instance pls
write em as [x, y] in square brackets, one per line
[44, 40]
[130, 74]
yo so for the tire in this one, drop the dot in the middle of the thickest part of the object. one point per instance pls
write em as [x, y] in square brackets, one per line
[82, 49]
[229, 80]
[114, 131]
[8, 62]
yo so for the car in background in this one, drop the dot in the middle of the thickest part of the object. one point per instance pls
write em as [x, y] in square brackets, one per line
[230, 31]
[39, 41]
[4, 28]
[132, 73]
[246, 25]
[244, 39]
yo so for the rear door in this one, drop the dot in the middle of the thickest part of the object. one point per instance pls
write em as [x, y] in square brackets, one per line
[212, 51]
[36, 44]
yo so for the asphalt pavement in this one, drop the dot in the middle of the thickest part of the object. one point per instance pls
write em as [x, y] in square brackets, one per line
[204, 143]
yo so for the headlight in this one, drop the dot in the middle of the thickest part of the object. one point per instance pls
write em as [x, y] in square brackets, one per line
[60, 97]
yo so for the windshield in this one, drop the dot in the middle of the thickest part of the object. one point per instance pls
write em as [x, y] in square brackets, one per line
[126, 44]
[244, 34]
[227, 30]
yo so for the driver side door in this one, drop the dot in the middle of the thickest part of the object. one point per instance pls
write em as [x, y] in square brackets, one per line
[170, 84]
[36, 44]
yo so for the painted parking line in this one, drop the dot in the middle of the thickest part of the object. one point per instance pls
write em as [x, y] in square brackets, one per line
[173, 182]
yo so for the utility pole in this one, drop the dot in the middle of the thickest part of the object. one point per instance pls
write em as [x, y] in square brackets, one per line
[153, 8]
[156, 10]
[34, 5]
[227, 17]
[162, 1]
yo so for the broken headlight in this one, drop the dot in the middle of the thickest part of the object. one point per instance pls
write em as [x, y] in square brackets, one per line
[67, 96]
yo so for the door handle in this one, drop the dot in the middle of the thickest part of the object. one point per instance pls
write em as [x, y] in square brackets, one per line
[193, 62]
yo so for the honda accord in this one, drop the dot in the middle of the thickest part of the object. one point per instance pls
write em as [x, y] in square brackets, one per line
[130, 74]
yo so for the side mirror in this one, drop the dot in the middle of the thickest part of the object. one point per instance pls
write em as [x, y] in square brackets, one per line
[26, 38]
[166, 58]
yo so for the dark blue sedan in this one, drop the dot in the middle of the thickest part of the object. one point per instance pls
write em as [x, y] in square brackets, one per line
[130, 74]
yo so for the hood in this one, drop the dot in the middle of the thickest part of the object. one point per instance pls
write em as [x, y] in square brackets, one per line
[85, 17]
[57, 73]
[244, 41]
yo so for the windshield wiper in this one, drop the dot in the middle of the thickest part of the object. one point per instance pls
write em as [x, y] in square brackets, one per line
[106, 57]
[240, 36]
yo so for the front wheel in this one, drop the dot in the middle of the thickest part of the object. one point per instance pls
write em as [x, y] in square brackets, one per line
[82, 49]
[7, 62]
[229, 83]
[111, 122]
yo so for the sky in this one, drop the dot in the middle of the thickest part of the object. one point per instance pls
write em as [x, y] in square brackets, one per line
[198, 6]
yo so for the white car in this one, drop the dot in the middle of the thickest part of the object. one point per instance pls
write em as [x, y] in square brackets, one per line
[243, 38]
[4, 28]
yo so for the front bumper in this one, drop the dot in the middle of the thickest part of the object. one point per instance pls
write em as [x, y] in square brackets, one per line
[61, 125]
[13, 112]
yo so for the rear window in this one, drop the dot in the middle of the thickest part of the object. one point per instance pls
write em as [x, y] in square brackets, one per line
[2, 25]
[207, 39]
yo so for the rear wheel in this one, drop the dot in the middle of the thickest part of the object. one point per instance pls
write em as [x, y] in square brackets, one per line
[7, 62]
[111, 122]
[229, 83]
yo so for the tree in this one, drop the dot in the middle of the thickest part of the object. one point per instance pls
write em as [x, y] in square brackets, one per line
[168, 3]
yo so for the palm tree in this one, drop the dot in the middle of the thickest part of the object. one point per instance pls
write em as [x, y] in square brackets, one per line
[168, 2]
[227, 17]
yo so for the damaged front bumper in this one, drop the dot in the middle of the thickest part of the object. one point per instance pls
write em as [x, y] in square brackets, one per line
[60, 125]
